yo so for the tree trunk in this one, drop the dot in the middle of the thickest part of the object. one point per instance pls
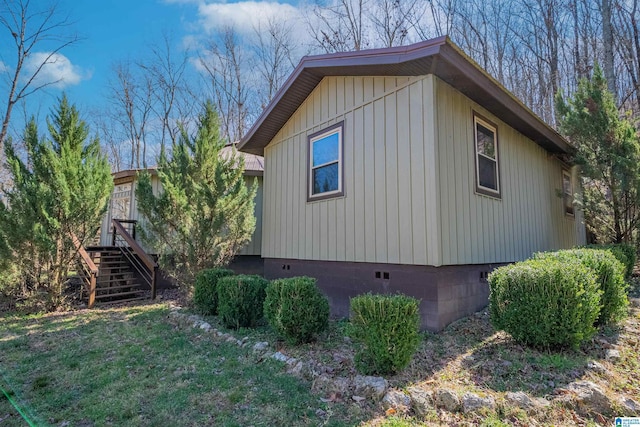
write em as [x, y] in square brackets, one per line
[607, 45]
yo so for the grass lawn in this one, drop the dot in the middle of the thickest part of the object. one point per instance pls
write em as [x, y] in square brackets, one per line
[133, 366]
[129, 366]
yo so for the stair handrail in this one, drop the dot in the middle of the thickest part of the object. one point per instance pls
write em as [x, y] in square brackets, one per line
[91, 267]
[137, 249]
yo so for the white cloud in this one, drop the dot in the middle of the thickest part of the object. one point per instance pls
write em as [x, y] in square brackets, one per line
[3, 67]
[57, 69]
[244, 16]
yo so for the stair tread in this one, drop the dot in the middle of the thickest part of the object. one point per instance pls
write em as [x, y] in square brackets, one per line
[118, 301]
[113, 284]
[120, 294]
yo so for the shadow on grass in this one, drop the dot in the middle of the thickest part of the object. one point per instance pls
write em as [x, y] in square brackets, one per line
[501, 364]
[129, 366]
[470, 351]
[439, 350]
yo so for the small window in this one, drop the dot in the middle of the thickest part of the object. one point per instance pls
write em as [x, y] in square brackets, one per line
[486, 148]
[325, 163]
[567, 193]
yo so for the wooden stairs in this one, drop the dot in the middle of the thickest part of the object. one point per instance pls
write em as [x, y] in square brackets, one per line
[118, 273]
[116, 280]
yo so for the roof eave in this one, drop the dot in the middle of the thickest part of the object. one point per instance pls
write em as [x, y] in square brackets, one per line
[447, 62]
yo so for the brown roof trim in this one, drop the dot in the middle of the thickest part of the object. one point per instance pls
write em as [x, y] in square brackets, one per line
[133, 172]
[439, 56]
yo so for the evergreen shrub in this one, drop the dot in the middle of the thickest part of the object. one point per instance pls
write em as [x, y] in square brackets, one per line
[385, 328]
[205, 295]
[609, 276]
[545, 303]
[296, 309]
[241, 300]
[625, 253]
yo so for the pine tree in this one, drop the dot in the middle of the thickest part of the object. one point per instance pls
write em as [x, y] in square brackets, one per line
[62, 188]
[608, 152]
[204, 215]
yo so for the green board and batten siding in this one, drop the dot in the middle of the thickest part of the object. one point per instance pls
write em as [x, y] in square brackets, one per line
[375, 221]
[529, 217]
[409, 182]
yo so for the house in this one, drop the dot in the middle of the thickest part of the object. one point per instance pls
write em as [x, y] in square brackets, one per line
[408, 169]
[124, 206]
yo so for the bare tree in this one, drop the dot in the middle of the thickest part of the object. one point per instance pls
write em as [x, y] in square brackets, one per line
[391, 20]
[274, 49]
[607, 44]
[131, 107]
[627, 37]
[28, 25]
[340, 26]
[174, 102]
[227, 67]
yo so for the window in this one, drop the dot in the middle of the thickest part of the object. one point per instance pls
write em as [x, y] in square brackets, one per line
[121, 201]
[486, 147]
[325, 163]
[567, 193]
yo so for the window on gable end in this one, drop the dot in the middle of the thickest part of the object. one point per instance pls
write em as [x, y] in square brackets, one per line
[486, 153]
[325, 163]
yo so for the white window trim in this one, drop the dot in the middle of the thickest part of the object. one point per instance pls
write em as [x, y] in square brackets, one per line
[335, 129]
[493, 128]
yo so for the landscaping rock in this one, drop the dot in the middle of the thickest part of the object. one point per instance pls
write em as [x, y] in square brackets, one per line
[300, 370]
[421, 401]
[370, 387]
[471, 402]
[589, 397]
[260, 347]
[612, 355]
[397, 400]
[205, 326]
[597, 367]
[520, 399]
[630, 406]
[327, 384]
[280, 357]
[447, 399]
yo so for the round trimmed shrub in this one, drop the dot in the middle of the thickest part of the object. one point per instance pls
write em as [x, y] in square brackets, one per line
[296, 309]
[386, 331]
[241, 300]
[609, 276]
[545, 303]
[205, 296]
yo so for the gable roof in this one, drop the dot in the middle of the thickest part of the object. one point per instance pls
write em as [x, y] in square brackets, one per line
[439, 56]
[253, 166]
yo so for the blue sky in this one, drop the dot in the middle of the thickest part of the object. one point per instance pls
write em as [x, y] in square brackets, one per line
[116, 30]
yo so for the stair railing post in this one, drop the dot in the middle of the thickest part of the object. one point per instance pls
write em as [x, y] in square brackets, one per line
[92, 290]
[113, 236]
[154, 279]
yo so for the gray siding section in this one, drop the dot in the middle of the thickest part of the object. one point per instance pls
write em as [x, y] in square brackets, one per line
[387, 214]
[529, 217]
